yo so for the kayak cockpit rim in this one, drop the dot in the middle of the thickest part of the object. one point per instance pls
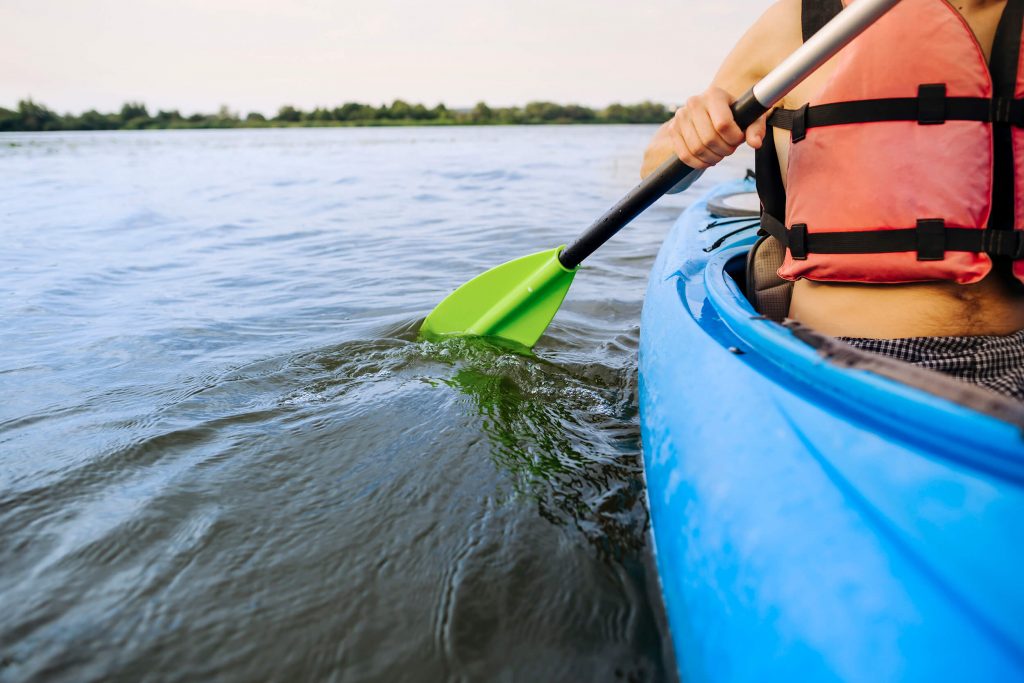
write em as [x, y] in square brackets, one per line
[910, 400]
[931, 381]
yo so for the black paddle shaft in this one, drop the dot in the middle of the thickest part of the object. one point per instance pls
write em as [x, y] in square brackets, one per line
[745, 110]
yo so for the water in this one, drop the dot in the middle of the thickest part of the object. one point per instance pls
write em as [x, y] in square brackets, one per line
[225, 455]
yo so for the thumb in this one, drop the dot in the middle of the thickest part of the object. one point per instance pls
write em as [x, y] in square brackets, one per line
[756, 131]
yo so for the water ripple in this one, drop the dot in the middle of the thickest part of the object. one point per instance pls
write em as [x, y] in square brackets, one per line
[227, 456]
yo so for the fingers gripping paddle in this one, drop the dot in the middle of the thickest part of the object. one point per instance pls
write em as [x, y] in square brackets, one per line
[518, 299]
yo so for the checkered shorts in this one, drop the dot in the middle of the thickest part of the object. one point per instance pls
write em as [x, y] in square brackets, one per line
[996, 363]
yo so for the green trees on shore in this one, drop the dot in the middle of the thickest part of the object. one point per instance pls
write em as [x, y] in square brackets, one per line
[32, 116]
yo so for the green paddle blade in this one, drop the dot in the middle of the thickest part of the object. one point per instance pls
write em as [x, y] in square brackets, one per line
[514, 301]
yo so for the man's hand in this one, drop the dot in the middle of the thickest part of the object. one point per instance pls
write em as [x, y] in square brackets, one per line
[703, 132]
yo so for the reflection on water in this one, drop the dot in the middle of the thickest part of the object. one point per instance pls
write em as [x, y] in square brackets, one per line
[561, 440]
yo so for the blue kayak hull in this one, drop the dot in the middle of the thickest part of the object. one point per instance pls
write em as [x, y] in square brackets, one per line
[813, 522]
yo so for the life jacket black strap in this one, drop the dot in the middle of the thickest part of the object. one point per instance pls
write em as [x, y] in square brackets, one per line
[931, 106]
[930, 239]
[1003, 67]
[816, 13]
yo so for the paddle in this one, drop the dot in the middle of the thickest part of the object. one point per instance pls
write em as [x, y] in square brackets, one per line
[517, 300]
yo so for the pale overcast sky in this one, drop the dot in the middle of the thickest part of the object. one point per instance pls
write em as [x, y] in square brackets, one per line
[195, 55]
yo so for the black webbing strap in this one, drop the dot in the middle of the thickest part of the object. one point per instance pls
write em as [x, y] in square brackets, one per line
[1003, 67]
[931, 106]
[768, 177]
[774, 227]
[816, 13]
[930, 239]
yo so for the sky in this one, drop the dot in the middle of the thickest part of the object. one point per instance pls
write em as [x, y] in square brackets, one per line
[253, 55]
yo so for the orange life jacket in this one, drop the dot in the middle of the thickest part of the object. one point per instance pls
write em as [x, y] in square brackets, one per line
[908, 166]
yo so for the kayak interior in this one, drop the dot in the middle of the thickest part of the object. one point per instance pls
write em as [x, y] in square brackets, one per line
[907, 401]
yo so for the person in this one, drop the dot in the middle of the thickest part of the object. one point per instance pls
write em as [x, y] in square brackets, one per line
[970, 326]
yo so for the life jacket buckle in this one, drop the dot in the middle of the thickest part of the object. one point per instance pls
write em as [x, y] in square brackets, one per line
[931, 239]
[931, 103]
[796, 240]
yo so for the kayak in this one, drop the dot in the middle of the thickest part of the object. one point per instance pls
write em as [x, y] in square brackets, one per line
[818, 514]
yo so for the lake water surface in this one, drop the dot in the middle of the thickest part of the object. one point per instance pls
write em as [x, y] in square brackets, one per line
[225, 456]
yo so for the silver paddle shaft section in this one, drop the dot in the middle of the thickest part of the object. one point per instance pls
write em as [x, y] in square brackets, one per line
[821, 47]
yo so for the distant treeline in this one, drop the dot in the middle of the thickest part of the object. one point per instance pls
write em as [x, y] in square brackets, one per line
[32, 116]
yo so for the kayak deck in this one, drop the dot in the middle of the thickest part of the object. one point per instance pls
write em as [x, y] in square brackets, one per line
[814, 521]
